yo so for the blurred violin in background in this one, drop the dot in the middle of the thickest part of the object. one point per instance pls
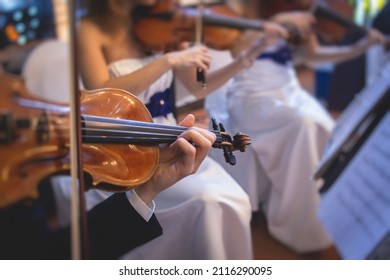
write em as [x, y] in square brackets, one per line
[334, 18]
[164, 26]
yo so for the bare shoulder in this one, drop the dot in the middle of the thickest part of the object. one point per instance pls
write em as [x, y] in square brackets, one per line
[88, 25]
[90, 29]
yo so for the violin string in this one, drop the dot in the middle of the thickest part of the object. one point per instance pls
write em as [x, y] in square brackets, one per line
[97, 132]
[130, 128]
[130, 123]
[124, 126]
[121, 132]
[112, 133]
[128, 136]
[127, 140]
[130, 133]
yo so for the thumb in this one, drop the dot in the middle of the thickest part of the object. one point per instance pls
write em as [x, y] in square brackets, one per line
[184, 45]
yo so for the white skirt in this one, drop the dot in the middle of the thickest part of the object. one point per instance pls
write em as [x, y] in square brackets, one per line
[289, 130]
[204, 216]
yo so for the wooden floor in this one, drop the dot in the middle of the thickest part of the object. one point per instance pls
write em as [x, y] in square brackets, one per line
[265, 247]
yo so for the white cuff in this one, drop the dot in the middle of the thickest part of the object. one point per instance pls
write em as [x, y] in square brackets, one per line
[146, 211]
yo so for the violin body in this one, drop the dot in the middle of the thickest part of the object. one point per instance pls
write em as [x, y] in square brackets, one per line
[34, 142]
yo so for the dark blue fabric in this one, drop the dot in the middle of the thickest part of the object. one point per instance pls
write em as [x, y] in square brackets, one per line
[114, 228]
[160, 104]
[282, 56]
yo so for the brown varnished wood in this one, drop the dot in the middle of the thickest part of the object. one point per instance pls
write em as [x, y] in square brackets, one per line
[25, 161]
[129, 165]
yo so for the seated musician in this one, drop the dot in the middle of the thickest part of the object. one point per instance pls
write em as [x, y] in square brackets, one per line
[289, 130]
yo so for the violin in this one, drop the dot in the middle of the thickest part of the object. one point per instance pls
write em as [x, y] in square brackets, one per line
[333, 17]
[164, 26]
[120, 144]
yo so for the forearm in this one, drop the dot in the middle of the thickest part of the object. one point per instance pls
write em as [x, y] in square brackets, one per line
[140, 80]
[337, 54]
[214, 80]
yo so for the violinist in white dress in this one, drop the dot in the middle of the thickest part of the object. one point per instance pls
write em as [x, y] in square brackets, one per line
[289, 130]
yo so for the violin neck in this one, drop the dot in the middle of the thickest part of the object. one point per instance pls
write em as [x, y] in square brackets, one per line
[336, 17]
[231, 22]
[119, 131]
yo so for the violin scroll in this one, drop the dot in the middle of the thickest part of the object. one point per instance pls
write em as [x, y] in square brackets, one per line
[225, 142]
[241, 141]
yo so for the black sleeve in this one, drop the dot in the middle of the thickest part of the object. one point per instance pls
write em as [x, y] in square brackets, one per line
[382, 20]
[114, 226]
[23, 232]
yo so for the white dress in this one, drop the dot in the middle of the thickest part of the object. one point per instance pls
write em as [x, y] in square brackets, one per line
[205, 215]
[289, 130]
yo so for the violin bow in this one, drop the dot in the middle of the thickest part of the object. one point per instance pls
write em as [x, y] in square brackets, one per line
[200, 76]
[79, 229]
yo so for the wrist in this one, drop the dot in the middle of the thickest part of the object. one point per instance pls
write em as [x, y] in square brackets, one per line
[145, 193]
[244, 61]
[144, 210]
[278, 18]
[169, 60]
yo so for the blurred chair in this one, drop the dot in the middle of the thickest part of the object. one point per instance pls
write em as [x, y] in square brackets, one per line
[46, 71]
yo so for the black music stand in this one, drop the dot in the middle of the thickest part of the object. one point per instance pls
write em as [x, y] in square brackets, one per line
[355, 180]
